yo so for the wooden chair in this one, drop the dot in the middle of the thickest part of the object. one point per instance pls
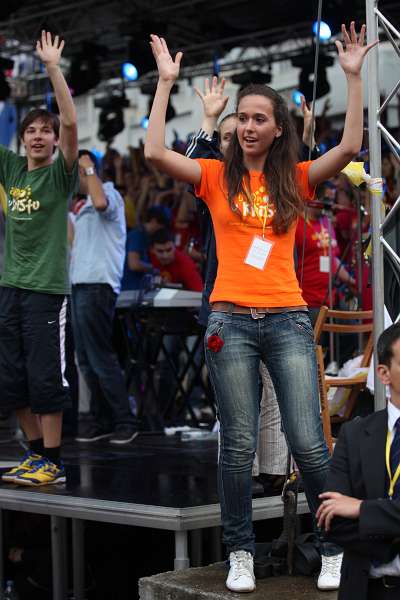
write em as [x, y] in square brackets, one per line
[323, 398]
[326, 322]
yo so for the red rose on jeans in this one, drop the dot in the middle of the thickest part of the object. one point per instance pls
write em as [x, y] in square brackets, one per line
[214, 343]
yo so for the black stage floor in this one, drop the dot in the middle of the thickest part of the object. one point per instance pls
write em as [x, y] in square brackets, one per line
[153, 470]
[156, 485]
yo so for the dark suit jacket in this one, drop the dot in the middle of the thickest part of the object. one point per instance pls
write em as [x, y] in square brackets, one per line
[358, 470]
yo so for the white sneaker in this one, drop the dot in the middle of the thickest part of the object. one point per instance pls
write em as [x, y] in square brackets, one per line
[241, 573]
[329, 577]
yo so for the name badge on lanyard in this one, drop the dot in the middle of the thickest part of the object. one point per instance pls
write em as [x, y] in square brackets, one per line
[324, 264]
[258, 253]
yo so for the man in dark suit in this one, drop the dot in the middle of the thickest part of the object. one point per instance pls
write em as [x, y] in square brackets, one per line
[361, 510]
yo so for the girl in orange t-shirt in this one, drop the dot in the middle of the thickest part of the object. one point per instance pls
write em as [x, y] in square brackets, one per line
[255, 197]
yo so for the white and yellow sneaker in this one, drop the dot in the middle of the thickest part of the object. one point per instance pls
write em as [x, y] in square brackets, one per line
[25, 466]
[44, 472]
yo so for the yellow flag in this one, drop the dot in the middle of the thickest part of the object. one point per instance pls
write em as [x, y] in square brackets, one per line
[355, 172]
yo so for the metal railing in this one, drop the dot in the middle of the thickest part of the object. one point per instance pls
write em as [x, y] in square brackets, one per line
[376, 19]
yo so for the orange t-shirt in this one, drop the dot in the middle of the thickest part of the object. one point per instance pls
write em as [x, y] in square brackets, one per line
[274, 286]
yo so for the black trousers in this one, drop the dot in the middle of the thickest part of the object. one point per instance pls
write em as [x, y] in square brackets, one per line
[32, 351]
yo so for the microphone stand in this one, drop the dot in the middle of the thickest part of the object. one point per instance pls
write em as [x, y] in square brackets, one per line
[333, 365]
[360, 265]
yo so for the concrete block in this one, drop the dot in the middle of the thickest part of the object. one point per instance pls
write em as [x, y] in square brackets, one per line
[208, 583]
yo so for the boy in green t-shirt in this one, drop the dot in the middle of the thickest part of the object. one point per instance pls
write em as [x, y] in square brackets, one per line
[34, 284]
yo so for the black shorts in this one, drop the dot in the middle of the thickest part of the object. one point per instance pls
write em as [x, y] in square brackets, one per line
[32, 351]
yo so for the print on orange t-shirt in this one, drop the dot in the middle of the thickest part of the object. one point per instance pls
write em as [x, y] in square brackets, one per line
[274, 286]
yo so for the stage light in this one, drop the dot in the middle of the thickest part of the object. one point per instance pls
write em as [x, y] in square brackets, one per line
[129, 71]
[324, 31]
[111, 118]
[149, 89]
[84, 73]
[5, 90]
[296, 97]
[6, 65]
[252, 76]
[144, 123]
[306, 77]
[111, 123]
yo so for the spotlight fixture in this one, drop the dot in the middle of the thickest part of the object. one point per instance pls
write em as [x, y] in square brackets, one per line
[170, 113]
[296, 97]
[325, 33]
[6, 64]
[112, 99]
[306, 78]
[84, 74]
[247, 77]
[149, 89]
[129, 72]
[111, 118]
[111, 123]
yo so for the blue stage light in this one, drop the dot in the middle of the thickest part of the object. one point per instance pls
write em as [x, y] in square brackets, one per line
[129, 71]
[324, 31]
[296, 97]
[144, 123]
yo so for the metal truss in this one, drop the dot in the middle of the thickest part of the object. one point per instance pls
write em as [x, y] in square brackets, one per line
[113, 23]
[102, 20]
[380, 245]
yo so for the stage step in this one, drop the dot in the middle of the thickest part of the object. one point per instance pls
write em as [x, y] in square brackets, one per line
[208, 583]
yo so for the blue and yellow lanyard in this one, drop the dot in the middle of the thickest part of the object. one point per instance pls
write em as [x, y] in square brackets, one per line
[392, 479]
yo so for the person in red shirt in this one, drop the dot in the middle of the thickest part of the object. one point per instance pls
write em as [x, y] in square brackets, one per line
[174, 265]
[345, 217]
[313, 274]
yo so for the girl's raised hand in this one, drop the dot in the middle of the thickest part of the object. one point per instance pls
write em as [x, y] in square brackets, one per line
[307, 122]
[213, 98]
[351, 56]
[168, 69]
[49, 50]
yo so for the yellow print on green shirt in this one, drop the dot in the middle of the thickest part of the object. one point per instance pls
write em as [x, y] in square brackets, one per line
[20, 201]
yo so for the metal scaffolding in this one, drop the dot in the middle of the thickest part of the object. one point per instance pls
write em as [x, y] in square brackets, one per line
[376, 19]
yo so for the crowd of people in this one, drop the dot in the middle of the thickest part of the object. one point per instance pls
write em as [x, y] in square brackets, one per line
[223, 215]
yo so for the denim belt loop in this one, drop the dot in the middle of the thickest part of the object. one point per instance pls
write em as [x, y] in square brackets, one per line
[231, 306]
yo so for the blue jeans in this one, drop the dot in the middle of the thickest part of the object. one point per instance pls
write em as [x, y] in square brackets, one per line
[93, 307]
[285, 343]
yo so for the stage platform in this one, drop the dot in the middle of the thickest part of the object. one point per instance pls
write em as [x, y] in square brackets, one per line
[156, 481]
[208, 583]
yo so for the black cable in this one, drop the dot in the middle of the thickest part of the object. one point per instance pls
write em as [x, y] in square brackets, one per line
[316, 61]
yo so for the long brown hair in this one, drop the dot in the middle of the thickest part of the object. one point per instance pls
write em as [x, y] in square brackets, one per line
[280, 164]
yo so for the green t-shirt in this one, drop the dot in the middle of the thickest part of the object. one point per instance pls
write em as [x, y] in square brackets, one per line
[36, 247]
